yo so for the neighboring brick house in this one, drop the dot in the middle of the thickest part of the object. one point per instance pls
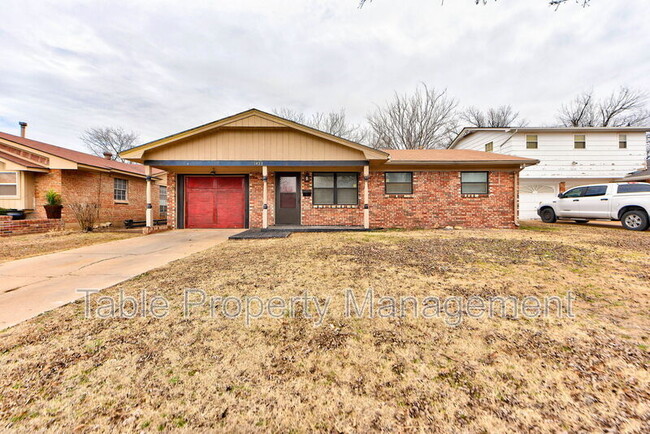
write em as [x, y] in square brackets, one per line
[258, 170]
[29, 168]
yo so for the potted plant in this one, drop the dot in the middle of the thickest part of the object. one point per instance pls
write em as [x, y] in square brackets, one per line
[53, 207]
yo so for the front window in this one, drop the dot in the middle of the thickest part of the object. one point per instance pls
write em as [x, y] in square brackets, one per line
[531, 141]
[162, 200]
[336, 188]
[399, 183]
[622, 141]
[9, 184]
[579, 141]
[474, 182]
[120, 187]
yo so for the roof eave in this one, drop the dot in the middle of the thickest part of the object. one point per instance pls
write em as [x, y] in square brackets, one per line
[463, 163]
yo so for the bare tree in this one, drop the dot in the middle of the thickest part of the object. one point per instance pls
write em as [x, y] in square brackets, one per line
[580, 112]
[334, 123]
[109, 140]
[424, 120]
[624, 107]
[502, 116]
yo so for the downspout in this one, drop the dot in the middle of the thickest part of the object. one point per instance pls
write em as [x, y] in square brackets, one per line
[516, 130]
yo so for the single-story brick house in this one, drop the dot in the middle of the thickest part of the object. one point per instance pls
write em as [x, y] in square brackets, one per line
[257, 170]
[29, 168]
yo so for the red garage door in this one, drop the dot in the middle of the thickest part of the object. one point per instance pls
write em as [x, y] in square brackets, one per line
[215, 202]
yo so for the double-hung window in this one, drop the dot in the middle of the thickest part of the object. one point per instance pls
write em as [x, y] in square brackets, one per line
[336, 188]
[474, 182]
[579, 141]
[120, 189]
[162, 200]
[399, 183]
[622, 141]
[8, 184]
[531, 141]
[489, 147]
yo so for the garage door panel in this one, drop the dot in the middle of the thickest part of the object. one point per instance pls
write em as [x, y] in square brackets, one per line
[215, 202]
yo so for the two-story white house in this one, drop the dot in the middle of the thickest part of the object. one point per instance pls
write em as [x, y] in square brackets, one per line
[568, 156]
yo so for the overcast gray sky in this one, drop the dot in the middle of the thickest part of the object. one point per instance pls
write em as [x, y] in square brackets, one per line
[157, 67]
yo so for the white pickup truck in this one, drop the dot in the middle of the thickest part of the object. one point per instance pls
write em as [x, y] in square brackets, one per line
[627, 202]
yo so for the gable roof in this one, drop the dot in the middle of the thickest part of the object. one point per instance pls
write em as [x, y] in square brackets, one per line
[466, 131]
[270, 119]
[454, 156]
[75, 156]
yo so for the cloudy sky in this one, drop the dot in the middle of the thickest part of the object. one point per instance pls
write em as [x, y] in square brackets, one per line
[157, 67]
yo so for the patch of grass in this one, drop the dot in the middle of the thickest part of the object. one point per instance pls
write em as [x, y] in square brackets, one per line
[25, 246]
[589, 373]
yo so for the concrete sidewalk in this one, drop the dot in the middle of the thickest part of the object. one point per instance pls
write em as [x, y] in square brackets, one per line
[29, 287]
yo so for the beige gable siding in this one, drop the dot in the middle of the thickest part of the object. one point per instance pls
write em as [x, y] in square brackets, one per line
[25, 199]
[272, 144]
[254, 121]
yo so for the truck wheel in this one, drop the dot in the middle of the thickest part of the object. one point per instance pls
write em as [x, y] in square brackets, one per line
[635, 220]
[548, 215]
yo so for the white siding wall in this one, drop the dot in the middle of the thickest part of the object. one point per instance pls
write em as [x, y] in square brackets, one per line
[477, 141]
[602, 157]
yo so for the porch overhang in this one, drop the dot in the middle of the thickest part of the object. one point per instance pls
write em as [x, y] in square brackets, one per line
[255, 163]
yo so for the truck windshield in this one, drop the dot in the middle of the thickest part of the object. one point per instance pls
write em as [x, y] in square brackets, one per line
[634, 188]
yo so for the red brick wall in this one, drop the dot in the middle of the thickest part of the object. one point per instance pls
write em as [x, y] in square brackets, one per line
[21, 227]
[171, 200]
[331, 215]
[437, 202]
[42, 183]
[86, 186]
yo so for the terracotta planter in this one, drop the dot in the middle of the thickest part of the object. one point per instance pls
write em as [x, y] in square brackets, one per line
[53, 211]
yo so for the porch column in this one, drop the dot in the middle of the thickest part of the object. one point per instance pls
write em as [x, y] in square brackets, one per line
[149, 212]
[366, 211]
[265, 205]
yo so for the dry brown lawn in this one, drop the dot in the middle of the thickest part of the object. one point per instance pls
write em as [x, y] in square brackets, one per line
[61, 372]
[24, 246]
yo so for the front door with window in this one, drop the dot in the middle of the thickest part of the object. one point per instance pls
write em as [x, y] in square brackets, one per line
[287, 199]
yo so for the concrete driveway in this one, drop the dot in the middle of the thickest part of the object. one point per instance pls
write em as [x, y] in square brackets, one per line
[29, 287]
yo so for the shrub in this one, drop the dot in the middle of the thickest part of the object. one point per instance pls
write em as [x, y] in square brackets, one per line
[52, 197]
[86, 214]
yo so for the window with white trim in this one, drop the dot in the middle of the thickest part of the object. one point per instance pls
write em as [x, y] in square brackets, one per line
[579, 141]
[474, 182]
[120, 190]
[489, 147]
[8, 184]
[162, 200]
[622, 141]
[531, 141]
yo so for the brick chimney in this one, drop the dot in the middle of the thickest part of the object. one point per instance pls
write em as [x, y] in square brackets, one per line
[23, 128]
[108, 155]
